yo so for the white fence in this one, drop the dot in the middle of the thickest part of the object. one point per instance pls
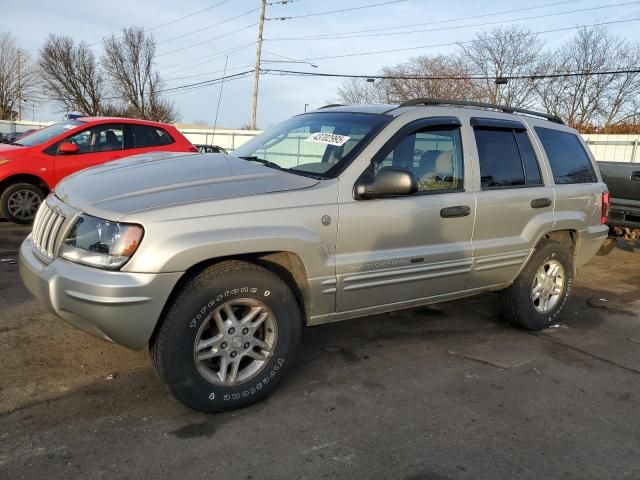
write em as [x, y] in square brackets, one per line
[607, 148]
[614, 148]
[227, 139]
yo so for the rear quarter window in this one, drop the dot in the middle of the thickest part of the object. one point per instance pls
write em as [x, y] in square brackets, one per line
[568, 159]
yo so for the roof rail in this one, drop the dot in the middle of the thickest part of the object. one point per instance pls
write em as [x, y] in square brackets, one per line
[468, 103]
[332, 105]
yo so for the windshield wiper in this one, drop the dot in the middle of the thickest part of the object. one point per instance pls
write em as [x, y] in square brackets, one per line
[262, 161]
[267, 163]
[16, 143]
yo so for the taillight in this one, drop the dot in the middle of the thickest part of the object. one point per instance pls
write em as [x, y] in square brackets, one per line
[605, 207]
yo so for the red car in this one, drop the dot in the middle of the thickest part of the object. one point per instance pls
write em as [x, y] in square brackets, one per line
[32, 165]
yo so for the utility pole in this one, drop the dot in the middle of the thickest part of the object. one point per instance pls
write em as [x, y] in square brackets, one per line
[256, 75]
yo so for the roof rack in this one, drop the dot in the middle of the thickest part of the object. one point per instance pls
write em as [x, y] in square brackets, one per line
[468, 103]
[332, 105]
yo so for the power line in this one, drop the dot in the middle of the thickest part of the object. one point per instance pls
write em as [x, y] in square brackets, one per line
[208, 27]
[206, 41]
[436, 22]
[187, 16]
[420, 47]
[173, 21]
[215, 56]
[455, 27]
[534, 76]
[202, 74]
[205, 82]
[294, 17]
[219, 81]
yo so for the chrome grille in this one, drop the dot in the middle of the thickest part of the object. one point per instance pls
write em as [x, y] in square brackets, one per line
[46, 228]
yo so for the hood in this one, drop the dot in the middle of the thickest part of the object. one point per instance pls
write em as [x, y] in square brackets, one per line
[6, 148]
[157, 180]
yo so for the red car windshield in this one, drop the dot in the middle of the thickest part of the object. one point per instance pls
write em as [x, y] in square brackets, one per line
[44, 135]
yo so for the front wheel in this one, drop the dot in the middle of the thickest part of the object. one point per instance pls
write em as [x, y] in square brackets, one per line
[19, 203]
[537, 297]
[228, 337]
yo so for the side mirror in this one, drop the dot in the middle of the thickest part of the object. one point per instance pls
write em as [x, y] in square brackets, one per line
[388, 182]
[68, 148]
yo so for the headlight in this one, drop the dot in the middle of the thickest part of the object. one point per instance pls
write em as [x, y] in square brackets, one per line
[101, 243]
[4, 160]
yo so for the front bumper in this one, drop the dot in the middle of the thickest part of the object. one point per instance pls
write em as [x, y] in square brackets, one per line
[121, 307]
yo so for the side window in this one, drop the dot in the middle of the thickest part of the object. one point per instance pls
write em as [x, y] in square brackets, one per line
[529, 160]
[101, 138]
[433, 154]
[145, 136]
[506, 158]
[567, 157]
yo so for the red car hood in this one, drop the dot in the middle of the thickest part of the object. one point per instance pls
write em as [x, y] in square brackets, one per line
[6, 148]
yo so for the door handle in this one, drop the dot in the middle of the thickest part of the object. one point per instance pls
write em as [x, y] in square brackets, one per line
[457, 211]
[635, 176]
[541, 203]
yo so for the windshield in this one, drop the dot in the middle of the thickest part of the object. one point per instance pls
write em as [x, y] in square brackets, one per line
[40, 136]
[318, 143]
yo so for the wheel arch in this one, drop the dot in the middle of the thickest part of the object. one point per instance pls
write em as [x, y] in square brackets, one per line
[566, 237]
[288, 266]
[25, 178]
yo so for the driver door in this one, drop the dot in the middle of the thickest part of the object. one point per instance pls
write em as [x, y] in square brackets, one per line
[97, 144]
[398, 251]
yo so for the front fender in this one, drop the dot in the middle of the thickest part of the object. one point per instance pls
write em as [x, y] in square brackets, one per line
[181, 251]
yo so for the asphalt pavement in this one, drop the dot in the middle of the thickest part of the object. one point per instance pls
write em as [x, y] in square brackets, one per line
[442, 392]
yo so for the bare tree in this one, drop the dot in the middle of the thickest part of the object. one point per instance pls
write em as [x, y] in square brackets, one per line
[592, 99]
[16, 77]
[129, 63]
[71, 76]
[448, 77]
[360, 91]
[502, 52]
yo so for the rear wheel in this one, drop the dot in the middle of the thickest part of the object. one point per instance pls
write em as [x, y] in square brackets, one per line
[19, 203]
[537, 297]
[228, 337]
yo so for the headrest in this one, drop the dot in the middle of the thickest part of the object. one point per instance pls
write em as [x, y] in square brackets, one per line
[428, 159]
[444, 163]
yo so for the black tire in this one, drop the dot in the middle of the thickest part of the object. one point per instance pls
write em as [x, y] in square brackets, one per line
[172, 348]
[12, 190]
[608, 245]
[516, 302]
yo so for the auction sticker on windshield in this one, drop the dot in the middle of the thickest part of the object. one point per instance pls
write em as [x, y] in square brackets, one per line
[328, 138]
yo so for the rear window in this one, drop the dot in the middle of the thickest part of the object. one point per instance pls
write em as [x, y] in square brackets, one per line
[506, 158]
[567, 157]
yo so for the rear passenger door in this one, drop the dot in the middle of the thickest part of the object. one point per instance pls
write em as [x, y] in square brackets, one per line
[146, 138]
[578, 203]
[514, 206]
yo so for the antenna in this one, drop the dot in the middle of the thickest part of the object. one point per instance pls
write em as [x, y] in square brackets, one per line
[215, 122]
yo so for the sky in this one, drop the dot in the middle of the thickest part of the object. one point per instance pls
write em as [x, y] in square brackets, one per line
[194, 49]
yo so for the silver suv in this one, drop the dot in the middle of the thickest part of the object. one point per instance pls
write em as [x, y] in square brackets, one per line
[216, 262]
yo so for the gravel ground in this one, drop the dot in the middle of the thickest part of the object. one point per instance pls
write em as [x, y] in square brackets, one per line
[445, 392]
